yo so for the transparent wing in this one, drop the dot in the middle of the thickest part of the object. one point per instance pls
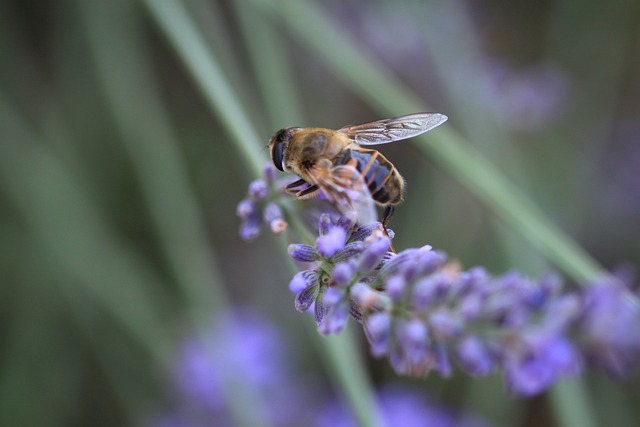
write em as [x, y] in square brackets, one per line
[389, 130]
[347, 190]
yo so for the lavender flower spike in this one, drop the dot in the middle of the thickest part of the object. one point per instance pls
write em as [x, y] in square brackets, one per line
[425, 314]
[339, 253]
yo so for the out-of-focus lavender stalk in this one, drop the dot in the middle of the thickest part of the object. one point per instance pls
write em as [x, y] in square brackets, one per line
[248, 345]
[424, 313]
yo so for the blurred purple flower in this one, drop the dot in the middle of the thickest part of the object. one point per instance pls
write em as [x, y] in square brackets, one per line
[528, 99]
[399, 407]
[610, 326]
[541, 365]
[235, 349]
[474, 356]
[242, 347]
[530, 329]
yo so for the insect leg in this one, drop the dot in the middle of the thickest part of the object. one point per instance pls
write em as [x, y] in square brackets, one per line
[295, 184]
[386, 218]
[387, 214]
[308, 193]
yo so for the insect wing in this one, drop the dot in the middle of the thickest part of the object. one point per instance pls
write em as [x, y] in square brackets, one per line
[346, 188]
[390, 130]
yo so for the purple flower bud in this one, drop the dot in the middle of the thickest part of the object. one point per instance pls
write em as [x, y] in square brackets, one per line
[430, 290]
[545, 361]
[272, 212]
[474, 357]
[402, 365]
[396, 264]
[270, 172]
[334, 319]
[412, 337]
[399, 362]
[258, 190]
[343, 274]
[378, 328]
[306, 297]
[250, 228]
[365, 297]
[303, 280]
[323, 224]
[355, 311]
[429, 260]
[303, 253]
[610, 327]
[443, 363]
[365, 231]
[548, 286]
[273, 216]
[386, 258]
[331, 242]
[445, 324]
[278, 226]
[472, 280]
[347, 221]
[332, 297]
[410, 271]
[516, 317]
[320, 310]
[373, 254]
[560, 312]
[246, 208]
[508, 301]
[350, 250]
[408, 262]
[470, 306]
[528, 377]
[563, 356]
[395, 287]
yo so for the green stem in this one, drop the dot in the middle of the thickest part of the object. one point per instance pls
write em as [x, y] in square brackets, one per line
[171, 200]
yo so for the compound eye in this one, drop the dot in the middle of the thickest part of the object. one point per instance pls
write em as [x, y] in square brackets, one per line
[276, 154]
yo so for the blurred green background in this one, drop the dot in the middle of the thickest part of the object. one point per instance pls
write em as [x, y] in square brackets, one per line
[130, 130]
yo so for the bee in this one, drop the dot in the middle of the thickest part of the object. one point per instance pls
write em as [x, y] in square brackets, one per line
[335, 164]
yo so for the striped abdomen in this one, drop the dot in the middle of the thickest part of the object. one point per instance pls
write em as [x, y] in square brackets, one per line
[383, 180]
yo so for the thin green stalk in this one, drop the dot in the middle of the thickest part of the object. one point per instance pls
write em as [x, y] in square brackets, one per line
[68, 226]
[570, 403]
[375, 84]
[272, 69]
[150, 142]
[271, 66]
[189, 44]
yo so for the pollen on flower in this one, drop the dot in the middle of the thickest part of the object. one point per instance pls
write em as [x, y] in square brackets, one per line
[331, 242]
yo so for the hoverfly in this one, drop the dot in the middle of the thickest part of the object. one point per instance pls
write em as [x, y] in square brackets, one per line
[335, 163]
